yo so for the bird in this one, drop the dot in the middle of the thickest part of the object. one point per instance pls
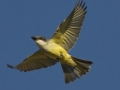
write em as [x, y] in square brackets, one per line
[56, 49]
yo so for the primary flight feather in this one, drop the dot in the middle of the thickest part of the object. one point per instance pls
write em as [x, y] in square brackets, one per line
[67, 33]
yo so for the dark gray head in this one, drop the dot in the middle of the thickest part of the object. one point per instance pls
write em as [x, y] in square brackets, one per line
[40, 41]
[38, 38]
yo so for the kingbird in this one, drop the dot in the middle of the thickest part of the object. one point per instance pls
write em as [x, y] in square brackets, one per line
[56, 49]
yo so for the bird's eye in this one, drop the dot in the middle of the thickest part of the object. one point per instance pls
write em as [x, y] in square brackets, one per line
[41, 38]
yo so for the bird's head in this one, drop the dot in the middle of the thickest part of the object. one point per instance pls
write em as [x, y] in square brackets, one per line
[40, 41]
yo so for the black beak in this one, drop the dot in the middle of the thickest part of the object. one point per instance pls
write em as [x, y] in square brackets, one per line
[34, 38]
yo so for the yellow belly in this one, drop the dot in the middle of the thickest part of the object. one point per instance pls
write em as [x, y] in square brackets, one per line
[54, 51]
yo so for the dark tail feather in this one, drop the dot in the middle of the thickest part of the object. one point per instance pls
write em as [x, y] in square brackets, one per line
[82, 65]
[71, 73]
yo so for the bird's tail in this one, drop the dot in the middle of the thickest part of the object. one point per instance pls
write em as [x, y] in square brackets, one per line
[71, 73]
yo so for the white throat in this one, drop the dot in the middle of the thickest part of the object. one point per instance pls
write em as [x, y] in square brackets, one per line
[41, 43]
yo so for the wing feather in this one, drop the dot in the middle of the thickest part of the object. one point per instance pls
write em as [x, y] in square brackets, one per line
[67, 33]
[35, 61]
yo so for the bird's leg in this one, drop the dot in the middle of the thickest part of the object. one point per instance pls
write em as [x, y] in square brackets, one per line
[60, 57]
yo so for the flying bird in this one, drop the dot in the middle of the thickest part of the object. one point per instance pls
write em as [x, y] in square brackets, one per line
[56, 48]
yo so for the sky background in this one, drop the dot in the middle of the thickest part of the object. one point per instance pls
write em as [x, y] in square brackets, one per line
[99, 42]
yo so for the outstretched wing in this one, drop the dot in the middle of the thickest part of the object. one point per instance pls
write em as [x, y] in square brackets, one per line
[67, 33]
[35, 61]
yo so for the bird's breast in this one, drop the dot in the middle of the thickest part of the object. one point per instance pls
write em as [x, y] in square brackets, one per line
[54, 51]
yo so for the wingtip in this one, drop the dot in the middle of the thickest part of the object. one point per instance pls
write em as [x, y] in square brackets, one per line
[81, 4]
[10, 66]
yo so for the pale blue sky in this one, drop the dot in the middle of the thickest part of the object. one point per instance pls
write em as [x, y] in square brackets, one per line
[98, 42]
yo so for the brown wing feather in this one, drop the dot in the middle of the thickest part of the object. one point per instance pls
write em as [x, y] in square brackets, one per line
[67, 33]
[35, 61]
